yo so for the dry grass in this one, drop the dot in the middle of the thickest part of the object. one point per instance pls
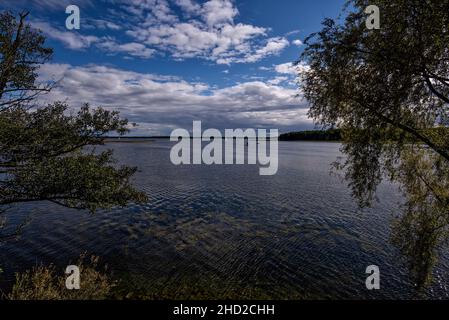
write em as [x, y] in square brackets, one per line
[45, 283]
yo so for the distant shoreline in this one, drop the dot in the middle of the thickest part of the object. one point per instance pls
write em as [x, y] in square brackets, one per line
[331, 135]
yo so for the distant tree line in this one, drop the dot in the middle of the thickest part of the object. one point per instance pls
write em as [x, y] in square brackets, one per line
[312, 135]
[339, 135]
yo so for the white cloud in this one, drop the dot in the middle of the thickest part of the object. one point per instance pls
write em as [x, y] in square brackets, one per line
[164, 102]
[291, 68]
[133, 49]
[101, 24]
[293, 32]
[218, 12]
[188, 6]
[70, 39]
[278, 80]
[76, 41]
[156, 10]
[162, 12]
[273, 46]
[297, 42]
[286, 68]
[210, 32]
[180, 28]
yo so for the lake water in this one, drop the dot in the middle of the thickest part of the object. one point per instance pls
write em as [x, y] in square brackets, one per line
[226, 231]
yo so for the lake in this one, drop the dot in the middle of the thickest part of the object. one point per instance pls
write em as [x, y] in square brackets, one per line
[225, 231]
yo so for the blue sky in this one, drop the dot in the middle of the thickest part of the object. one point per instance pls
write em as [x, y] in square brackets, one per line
[165, 63]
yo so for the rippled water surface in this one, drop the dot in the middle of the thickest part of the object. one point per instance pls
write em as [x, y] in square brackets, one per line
[226, 231]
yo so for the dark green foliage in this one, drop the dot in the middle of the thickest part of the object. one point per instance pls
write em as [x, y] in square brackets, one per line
[312, 135]
[388, 91]
[43, 159]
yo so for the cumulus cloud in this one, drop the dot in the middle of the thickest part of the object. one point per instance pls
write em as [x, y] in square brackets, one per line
[273, 46]
[285, 68]
[297, 42]
[160, 103]
[180, 28]
[211, 32]
[217, 12]
[188, 6]
[291, 68]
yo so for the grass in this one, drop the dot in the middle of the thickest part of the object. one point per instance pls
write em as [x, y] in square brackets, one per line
[44, 283]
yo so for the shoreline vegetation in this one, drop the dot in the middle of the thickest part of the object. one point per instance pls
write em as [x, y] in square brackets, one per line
[308, 135]
[329, 135]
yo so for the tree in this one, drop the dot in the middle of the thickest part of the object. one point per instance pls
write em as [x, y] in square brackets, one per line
[21, 53]
[48, 153]
[388, 90]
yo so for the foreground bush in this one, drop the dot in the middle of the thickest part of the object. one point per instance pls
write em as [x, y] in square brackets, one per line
[45, 283]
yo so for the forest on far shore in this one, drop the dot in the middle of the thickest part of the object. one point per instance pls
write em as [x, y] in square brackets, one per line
[312, 135]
